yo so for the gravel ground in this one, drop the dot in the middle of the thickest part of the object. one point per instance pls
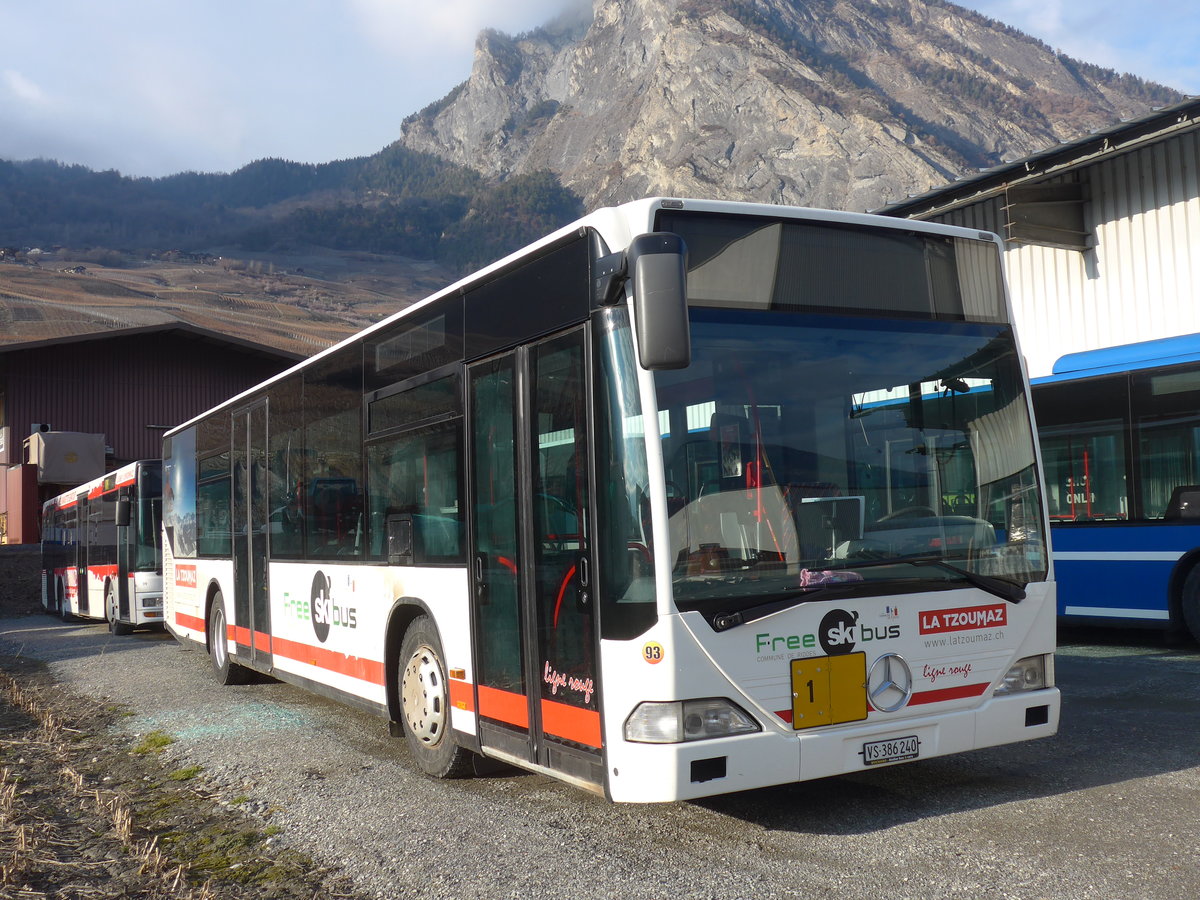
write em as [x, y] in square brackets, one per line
[1108, 809]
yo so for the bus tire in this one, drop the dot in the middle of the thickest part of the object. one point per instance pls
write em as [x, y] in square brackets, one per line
[425, 704]
[1190, 602]
[227, 671]
[112, 613]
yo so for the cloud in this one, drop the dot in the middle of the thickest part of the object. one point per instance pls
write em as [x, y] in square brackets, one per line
[24, 90]
[427, 27]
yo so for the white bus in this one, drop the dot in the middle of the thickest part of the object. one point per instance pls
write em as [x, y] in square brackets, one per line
[688, 497]
[101, 550]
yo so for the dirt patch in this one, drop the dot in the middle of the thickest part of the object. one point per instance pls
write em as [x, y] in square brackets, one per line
[20, 579]
[84, 813]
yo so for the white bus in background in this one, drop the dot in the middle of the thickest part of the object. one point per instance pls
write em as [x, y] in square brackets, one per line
[688, 497]
[101, 549]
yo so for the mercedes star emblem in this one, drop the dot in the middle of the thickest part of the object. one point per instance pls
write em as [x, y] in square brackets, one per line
[889, 683]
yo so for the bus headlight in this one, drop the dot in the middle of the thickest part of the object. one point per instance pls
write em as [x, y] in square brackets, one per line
[1029, 674]
[687, 720]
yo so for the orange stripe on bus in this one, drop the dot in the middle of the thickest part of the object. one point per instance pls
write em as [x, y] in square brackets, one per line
[950, 693]
[355, 666]
[921, 697]
[193, 622]
[572, 723]
[504, 706]
[243, 636]
[462, 696]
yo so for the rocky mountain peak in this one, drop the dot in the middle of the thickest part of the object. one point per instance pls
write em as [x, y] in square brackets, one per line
[833, 103]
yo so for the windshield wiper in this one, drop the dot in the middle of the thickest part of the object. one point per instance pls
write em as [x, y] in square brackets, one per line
[997, 587]
[723, 621]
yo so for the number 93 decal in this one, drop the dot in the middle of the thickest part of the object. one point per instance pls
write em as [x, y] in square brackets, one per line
[653, 653]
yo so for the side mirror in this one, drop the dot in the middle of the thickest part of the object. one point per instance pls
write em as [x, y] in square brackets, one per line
[658, 264]
[123, 513]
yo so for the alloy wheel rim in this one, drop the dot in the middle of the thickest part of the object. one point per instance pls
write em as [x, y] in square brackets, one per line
[422, 696]
[218, 639]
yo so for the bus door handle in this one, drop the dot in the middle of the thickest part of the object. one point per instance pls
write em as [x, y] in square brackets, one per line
[480, 572]
[584, 596]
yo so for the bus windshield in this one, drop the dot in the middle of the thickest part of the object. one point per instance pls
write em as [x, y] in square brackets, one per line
[147, 521]
[805, 450]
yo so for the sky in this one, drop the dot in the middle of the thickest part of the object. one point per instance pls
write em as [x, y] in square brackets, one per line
[155, 87]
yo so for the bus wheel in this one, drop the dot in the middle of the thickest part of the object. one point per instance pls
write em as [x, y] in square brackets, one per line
[1191, 602]
[425, 704]
[228, 672]
[112, 613]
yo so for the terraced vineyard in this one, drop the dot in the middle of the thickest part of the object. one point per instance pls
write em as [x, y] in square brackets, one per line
[297, 303]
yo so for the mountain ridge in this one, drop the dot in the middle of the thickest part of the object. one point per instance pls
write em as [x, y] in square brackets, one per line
[834, 103]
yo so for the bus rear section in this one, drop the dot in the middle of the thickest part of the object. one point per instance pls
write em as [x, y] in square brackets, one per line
[101, 549]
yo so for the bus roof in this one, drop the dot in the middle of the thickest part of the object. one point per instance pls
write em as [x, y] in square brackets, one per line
[117, 478]
[616, 225]
[1125, 358]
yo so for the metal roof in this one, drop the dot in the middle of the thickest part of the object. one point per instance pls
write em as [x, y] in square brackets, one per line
[1118, 138]
[192, 332]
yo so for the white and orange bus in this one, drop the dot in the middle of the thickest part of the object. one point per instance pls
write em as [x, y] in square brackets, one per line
[688, 497]
[101, 549]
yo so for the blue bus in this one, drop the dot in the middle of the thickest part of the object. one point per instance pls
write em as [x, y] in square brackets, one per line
[1120, 438]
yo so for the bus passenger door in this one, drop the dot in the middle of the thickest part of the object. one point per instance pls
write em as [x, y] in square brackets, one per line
[126, 558]
[501, 673]
[534, 612]
[85, 538]
[249, 476]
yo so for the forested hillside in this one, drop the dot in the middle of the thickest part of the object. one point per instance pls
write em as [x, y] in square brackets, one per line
[396, 201]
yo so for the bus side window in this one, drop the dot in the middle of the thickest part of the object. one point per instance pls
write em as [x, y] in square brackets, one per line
[286, 456]
[333, 432]
[416, 474]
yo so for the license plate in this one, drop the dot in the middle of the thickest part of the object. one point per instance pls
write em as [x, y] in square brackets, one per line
[875, 753]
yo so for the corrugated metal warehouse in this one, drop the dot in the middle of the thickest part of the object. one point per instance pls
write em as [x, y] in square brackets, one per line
[129, 385]
[1103, 234]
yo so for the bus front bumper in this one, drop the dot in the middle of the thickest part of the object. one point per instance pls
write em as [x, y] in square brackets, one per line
[648, 773]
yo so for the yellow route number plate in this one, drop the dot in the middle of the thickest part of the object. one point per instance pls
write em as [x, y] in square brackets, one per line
[829, 690]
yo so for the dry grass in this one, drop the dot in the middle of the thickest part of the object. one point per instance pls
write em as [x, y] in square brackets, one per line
[82, 815]
[30, 839]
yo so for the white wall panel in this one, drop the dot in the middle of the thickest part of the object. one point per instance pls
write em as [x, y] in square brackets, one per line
[1138, 282]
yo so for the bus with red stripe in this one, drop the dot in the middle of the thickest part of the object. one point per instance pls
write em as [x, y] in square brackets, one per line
[102, 550]
[688, 497]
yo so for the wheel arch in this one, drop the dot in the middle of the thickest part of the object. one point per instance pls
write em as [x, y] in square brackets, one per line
[404, 611]
[1179, 575]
